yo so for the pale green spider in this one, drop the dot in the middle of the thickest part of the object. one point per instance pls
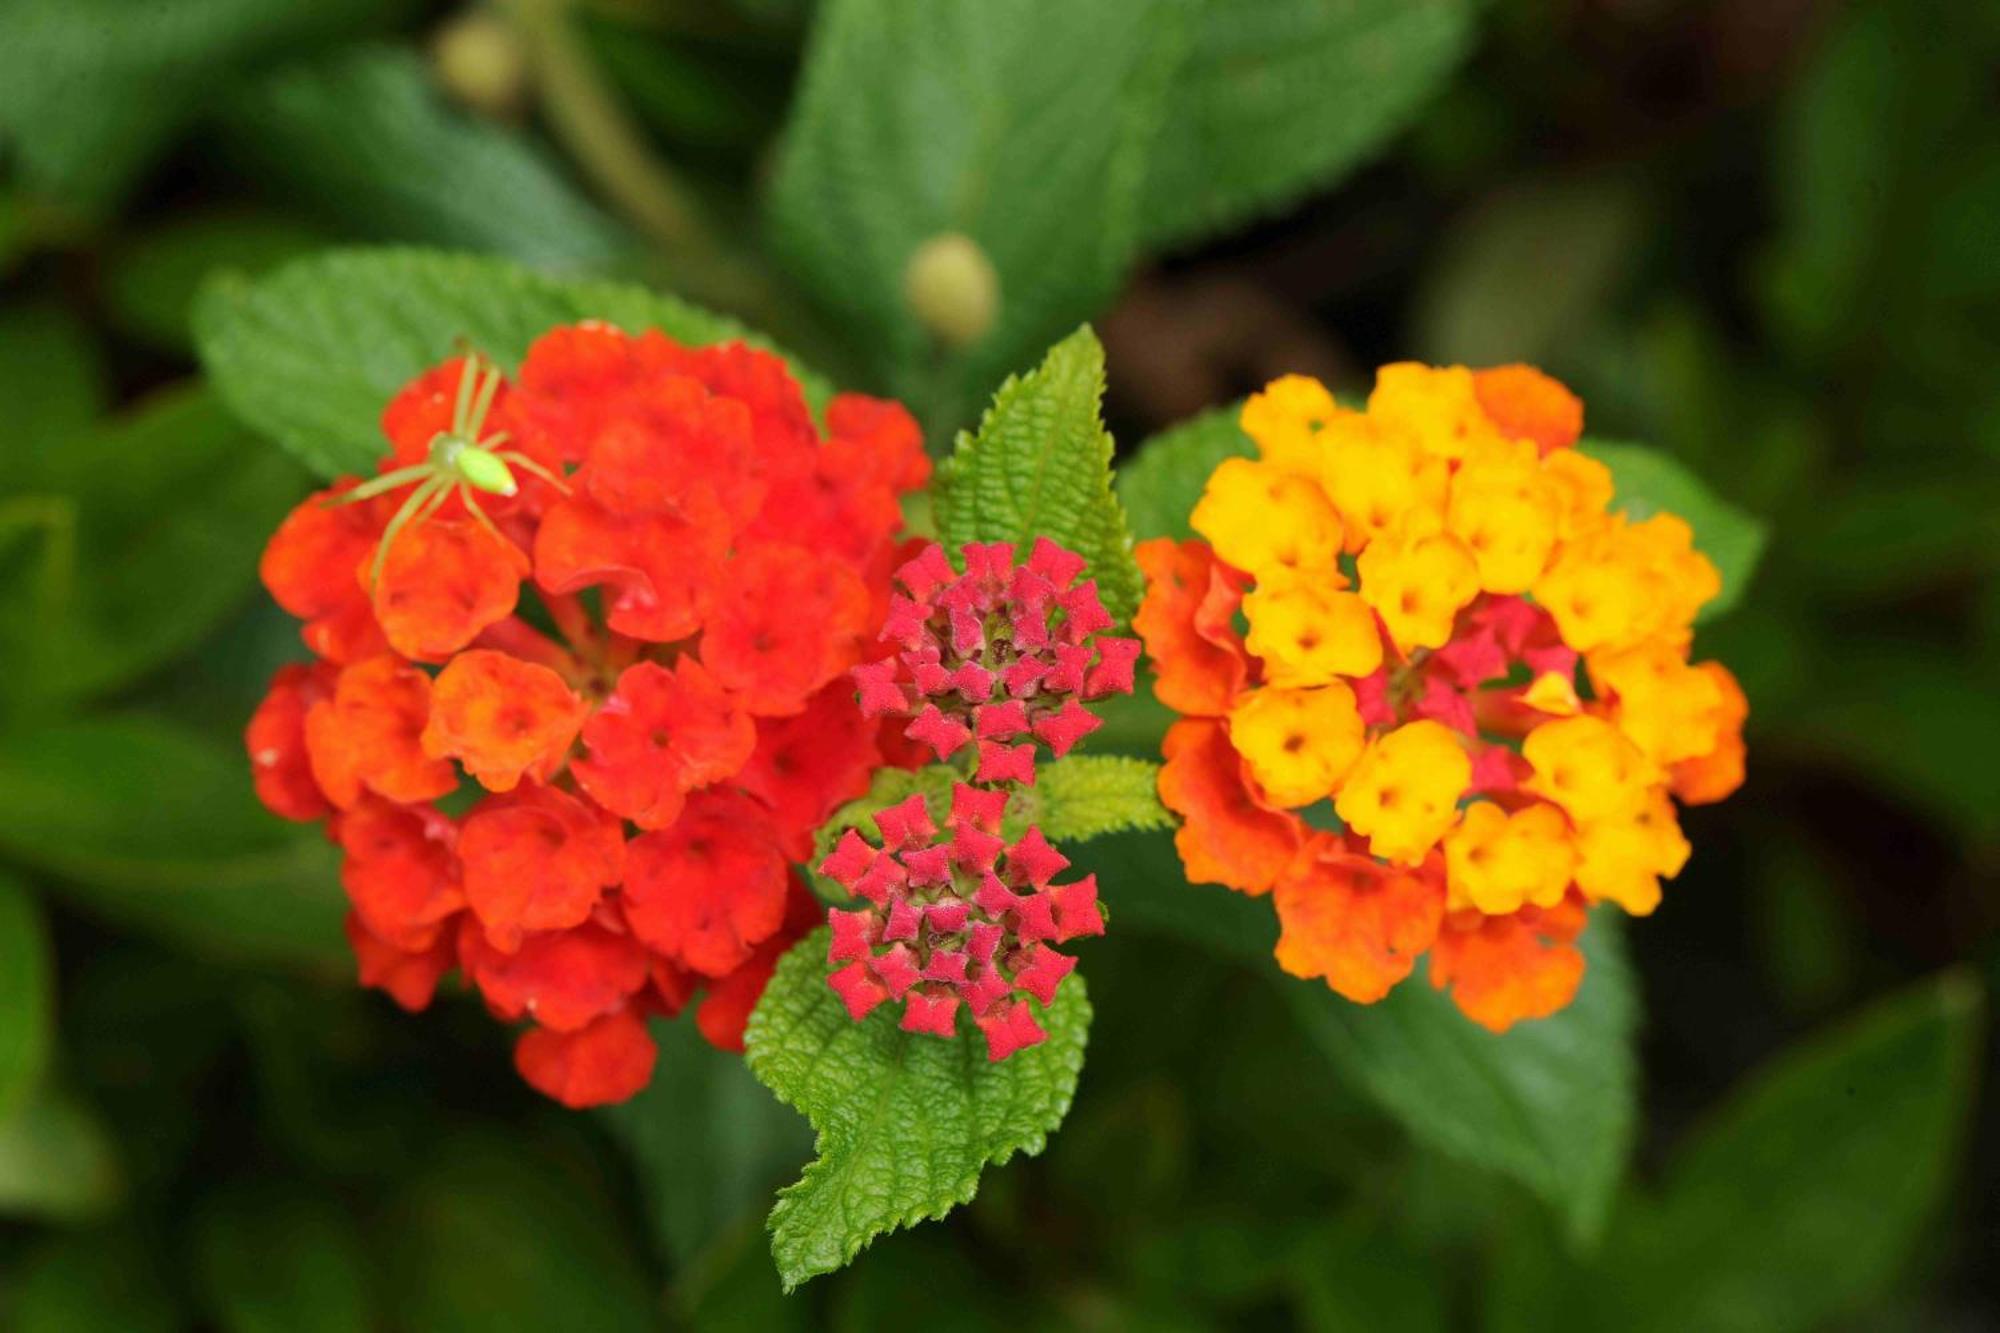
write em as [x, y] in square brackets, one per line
[461, 462]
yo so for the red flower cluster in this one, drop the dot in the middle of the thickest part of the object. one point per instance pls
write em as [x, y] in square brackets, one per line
[995, 659]
[621, 596]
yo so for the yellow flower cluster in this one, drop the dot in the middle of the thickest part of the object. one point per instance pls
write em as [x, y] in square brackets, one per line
[1455, 637]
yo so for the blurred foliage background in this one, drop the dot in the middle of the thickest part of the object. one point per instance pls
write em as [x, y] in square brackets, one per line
[1759, 234]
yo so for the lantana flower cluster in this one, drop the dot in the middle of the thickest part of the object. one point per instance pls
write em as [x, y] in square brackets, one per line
[988, 666]
[580, 695]
[1437, 695]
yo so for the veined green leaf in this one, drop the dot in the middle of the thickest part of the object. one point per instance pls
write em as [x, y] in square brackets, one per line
[310, 354]
[905, 1123]
[1649, 482]
[1084, 796]
[1040, 466]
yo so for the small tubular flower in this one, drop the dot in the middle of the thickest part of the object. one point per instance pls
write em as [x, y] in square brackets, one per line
[1489, 678]
[619, 592]
[947, 915]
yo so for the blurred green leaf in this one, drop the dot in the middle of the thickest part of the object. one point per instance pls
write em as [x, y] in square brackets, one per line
[92, 91]
[364, 139]
[701, 95]
[1026, 127]
[52, 380]
[1279, 99]
[1040, 466]
[150, 826]
[1087, 796]
[1161, 485]
[56, 1160]
[904, 1123]
[731, 1286]
[1532, 266]
[310, 354]
[1142, 881]
[710, 1142]
[1551, 1103]
[280, 1262]
[1830, 1159]
[1647, 482]
[1356, 1276]
[152, 280]
[491, 1239]
[146, 535]
[27, 985]
[1893, 528]
[92, 1282]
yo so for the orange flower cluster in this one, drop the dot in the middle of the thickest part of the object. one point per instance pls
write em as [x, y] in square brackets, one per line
[1437, 695]
[580, 696]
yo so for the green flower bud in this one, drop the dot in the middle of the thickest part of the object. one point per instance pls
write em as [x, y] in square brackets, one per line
[483, 470]
[950, 286]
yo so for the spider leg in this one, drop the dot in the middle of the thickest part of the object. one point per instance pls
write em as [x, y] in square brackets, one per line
[425, 498]
[388, 481]
[529, 465]
[461, 410]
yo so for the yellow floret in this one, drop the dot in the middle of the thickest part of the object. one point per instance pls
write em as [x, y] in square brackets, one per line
[1267, 521]
[1672, 711]
[1627, 582]
[1287, 420]
[1588, 767]
[1623, 860]
[1403, 793]
[1583, 488]
[1418, 582]
[1553, 693]
[1506, 513]
[1309, 632]
[1298, 744]
[1377, 476]
[1497, 862]
[1437, 404]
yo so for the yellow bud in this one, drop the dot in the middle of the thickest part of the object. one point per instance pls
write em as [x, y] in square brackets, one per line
[480, 60]
[951, 287]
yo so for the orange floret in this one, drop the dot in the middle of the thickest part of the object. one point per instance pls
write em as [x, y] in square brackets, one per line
[1199, 661]
[502, 718]
[1502, 969]
[537, 858]
[1354, 921]
[1227, 836]
[1525, 404]
[442, 582]
[368, 736]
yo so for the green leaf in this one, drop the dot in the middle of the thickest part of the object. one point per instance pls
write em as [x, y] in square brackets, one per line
[92, 1282]
[1040, 466]
[272, 1262]
[144, 536]
[491, 1239]
[310, 354]
[92, 91]
[904, 1123]
[1025, 126]
[1551, 1103]
[364, 139]
[1086, 796]
[152, 827]
[56, 1160]
[151, 281]
[26, 989]
[1278, 99]
[709, 1141]
[1649, 482]
[1163, 482]
[1832, 1157]
[1532, 266]
[52, 379]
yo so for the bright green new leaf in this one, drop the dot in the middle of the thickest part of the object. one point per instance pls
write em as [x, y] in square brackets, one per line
[310, 354]
[26, 985]
[57, 1160]
[1027, 127]
[148, 824]
[905, 1123]
[710, 1143]
[271, 1262]
[1648, 482]
[1085, 796]
[1040, 466]
[366, 140]
[1165, 479]
[1276, 99]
